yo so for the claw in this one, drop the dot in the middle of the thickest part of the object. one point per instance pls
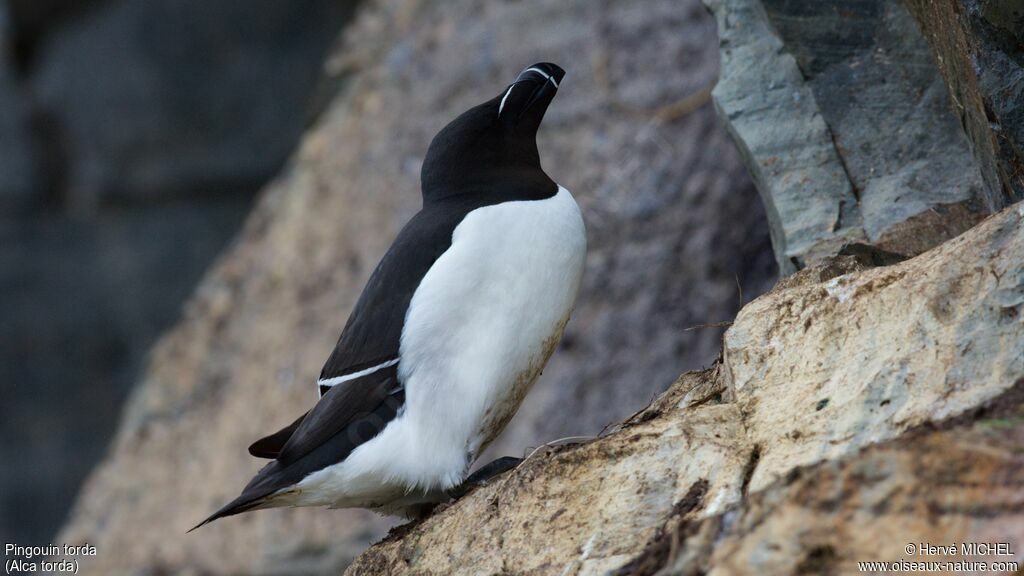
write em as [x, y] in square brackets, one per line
[483, 475]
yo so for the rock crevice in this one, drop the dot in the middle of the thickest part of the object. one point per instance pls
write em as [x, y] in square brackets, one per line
[847, 127]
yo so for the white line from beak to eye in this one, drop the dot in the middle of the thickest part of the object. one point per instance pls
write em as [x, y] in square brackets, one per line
[544, 74]
[509, 91]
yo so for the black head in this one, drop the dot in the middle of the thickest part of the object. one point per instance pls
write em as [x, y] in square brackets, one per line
[492, 148]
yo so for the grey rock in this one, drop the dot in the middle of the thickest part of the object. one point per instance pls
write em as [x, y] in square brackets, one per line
[133, 136]
[30, 23]
[980, 49]
[16, 166]
[208, 97]
[81, 301]
[844, 121]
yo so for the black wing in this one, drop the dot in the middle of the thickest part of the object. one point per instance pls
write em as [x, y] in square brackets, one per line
[369, 343]
[355, 409]
[371, 335]
[270, 446]
[345, 417]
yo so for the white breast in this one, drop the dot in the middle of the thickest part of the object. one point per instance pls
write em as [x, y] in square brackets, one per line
[478, 331]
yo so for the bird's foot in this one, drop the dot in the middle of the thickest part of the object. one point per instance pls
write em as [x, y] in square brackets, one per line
[483, 475]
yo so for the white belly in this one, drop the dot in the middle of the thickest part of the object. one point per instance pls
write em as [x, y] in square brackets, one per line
[479, 329]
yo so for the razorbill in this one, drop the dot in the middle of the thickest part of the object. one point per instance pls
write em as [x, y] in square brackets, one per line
[451, 330]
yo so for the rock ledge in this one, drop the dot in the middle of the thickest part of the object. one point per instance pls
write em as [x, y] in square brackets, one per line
[854, 410]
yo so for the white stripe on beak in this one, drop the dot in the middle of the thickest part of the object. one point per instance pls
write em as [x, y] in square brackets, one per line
[546, 76]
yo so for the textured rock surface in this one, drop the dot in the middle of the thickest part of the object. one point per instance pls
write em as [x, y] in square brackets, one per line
[867, 356]
[980, 50]
[851, 415]
[946, 487]
[584, 509]
[672, 220]
[845, 123]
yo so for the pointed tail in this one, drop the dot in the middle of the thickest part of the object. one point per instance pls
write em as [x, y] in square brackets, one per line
[243, 503]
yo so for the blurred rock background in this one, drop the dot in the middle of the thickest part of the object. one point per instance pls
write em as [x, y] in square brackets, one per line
[133, 136]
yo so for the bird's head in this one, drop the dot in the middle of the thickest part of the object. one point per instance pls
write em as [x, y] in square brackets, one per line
[493, 145]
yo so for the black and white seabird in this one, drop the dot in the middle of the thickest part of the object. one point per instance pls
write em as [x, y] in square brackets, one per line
[451, 330]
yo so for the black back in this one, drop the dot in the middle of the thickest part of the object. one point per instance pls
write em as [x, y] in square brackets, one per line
[480, 158]
[486, 156]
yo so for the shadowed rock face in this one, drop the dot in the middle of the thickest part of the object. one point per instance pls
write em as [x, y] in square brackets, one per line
[674, 225]
[847, 127]
[854, 411]
[134, 135]
[980, 49]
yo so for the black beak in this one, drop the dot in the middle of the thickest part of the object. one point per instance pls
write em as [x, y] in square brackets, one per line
[525, 101]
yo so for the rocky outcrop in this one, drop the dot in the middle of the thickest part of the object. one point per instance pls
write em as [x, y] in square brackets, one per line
[855, 411]
[674, 225]
[846, 125]
[980, 50]
[955, 484]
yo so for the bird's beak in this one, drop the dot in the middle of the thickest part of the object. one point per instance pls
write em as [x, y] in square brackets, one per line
[525, 101]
